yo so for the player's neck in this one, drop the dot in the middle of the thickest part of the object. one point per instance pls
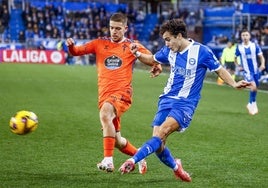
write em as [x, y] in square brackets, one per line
[184, 45]
[246, 43]
[122, 40]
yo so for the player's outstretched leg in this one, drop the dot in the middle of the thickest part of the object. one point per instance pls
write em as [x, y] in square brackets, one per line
[181, 173]
[166, 158]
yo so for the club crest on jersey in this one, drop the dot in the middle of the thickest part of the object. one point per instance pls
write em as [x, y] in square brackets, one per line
[113, 62]
[192, 61]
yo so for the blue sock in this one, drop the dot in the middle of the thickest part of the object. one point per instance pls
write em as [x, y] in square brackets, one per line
[148, 148]
[252, 96]
[166, 158]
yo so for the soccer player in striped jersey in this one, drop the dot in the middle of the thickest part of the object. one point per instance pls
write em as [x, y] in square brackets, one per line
[189, 62]
[115, 63]
[249, 52]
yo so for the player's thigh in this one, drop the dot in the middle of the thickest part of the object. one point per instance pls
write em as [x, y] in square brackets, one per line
[107, 111]
[120, 102]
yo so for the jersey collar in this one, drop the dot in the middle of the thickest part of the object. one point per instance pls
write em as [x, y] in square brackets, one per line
[189, 46]
[123, 39]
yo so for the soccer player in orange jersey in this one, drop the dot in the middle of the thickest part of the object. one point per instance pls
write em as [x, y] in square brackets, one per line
[114, 62]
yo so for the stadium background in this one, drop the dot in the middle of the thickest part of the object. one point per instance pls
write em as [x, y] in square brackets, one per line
[34, 31]
[224, 147]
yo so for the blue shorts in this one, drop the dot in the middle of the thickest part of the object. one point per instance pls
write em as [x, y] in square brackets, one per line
[180, 110]
[252, 78]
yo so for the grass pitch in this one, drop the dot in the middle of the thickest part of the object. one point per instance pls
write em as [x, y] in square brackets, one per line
[224, 146]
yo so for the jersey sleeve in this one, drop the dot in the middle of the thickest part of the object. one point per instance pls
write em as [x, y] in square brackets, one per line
[237, 52]
[161, 56]
[143, 50]
[87, 48]
[258, 49]
[210, 60]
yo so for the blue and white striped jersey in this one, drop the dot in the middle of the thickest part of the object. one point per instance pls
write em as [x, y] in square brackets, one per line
[187, 71]
[248, 57]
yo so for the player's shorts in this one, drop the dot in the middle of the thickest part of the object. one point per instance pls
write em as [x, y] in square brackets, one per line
[252, 78]
[121, 102]
[180, 110]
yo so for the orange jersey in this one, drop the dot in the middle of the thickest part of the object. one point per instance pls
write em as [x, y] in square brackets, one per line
[114, 63]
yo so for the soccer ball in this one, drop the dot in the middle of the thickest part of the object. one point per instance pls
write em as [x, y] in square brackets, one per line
[23, 122]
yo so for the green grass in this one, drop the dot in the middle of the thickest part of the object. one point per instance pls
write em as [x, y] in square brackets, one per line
[224, 146]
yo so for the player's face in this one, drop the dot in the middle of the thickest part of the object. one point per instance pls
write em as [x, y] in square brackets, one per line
[245, 36]
[229, 44]
[117, 31]
[173, 42]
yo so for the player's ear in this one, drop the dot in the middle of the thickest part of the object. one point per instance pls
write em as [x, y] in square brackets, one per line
[178, 36]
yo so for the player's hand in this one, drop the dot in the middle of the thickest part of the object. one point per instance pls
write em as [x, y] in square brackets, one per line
[243, 84]
[69, 42]
[133, 48]
[156, 70]
[262, 67]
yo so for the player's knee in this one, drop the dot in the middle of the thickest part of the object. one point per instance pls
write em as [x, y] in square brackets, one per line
[106, 118]
[107, 113]
[163, 133]
[253, 88]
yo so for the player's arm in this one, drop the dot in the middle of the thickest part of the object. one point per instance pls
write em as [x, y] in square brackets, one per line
[236, 60]
[237, 63]
[227, 78]
[237, 54]
[147, 59]
[75, 50]
[262, 62]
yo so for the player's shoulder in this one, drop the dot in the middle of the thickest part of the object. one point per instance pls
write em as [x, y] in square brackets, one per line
[103, 38]
[128, 40]
[202, 47]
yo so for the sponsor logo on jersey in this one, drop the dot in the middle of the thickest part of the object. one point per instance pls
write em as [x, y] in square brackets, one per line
[113, 62]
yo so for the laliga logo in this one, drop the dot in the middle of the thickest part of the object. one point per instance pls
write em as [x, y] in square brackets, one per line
[33, 56]
[56, 57]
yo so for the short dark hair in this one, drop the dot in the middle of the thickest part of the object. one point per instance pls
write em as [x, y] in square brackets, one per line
[174, 27]
[244, 30]
[119, 17]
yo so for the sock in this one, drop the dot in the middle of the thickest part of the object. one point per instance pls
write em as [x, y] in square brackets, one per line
[148, 148]
[108, 146]
[129, 149]
[166, 158]
[252, 96]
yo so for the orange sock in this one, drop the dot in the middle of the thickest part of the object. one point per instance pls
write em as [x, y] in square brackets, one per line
[108, 146]
[129, 149]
